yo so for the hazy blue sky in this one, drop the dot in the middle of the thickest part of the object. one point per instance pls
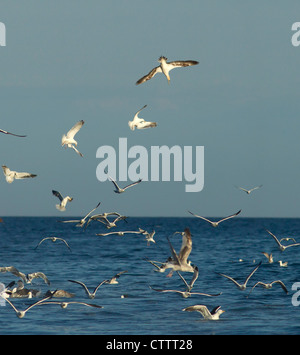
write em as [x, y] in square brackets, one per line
[67, 60]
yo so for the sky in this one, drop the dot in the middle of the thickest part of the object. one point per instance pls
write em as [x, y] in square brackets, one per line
[71, 60]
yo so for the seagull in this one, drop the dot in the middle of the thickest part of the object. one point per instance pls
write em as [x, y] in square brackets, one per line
[5, 291]
[179, 261]
[280, 246]
[121, 233]
[113, 280]
[149, 236]
[211, 315]
[81, 222]
[68, 139]
[10, 175]
[65, 304]
[12, 134]
[54, 239]
[90, 295]
[21, 314]
[269, 257]
[63, 200]
[26, 278]
[287, 239]
[283, 264]
[250, 190]
[21, 292]
[118, 189]
[215, 224]
[109, 224]
[242, 287]
[269, 285]
[185, 294]
[60, 293]
[140, 123]
[164, 67]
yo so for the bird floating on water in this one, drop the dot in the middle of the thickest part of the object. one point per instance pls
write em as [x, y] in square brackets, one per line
[214, 314]
[63, 200]
[140, 123]
[165, 67]
[215, 224]
[11, 175]
[68, 139]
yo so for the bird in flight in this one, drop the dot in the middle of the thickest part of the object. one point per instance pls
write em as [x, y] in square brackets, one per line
[250, 190]
[165, 67]
[215, 224]
[11, 175]
[140, 123]
[63, 200]
[68, 139]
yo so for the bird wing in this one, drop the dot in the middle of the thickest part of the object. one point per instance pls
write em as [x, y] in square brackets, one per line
[136, 115]
[175, 256]
[159, 290]
[231, 216]
[150, 75]
[205, 219]
[92, 210]
[276, 240]
[57, 194]
[251, 273]
[75, 129]
[96, 288]
[64, 242]
[132, 184]
[13, 134]
[24, 175]
[41, 242]
[76, 150]
[281, 284]
[200, 308]
[182, 63]
[6, 170]
[186, 246]
[231, 279]
[83, 285]
[255, 188]
[292, 245]
[41, 275]
[146, 124]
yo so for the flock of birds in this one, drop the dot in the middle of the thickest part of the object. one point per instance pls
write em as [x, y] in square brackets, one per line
[177, 262]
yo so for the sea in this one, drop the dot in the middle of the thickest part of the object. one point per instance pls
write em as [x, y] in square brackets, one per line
[131, 307]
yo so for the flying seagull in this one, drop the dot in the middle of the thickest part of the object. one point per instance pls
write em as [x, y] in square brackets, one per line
[269, 285]
[212, 315]
[242, 287]
[12, 134]
[90, 294]
[140, 123]
[215, 224]
[179, 261]
[63, 200]
[26, 278]
[65, 304]
[280, 246]
[54, 239]
[82, 221]
[250, 190]
[68, 139]
[113, 280]
[119, 189]
[269, 257]
[10, 175]
[21, 314]
[164, 67]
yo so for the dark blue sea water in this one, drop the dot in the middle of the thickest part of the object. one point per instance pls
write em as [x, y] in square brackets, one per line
[144, 311]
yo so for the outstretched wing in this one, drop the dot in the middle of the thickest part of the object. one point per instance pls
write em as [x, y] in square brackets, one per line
[150, 75]
[75, 129]
[57, 194]
[12, 134]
